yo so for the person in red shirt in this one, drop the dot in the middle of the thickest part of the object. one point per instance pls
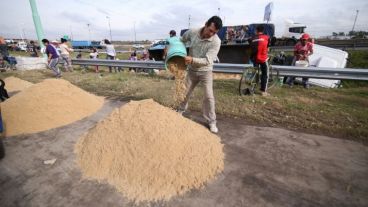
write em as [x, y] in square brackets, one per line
[302, 50]
[259, 45]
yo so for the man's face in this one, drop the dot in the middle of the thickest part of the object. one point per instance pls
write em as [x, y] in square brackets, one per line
[209, 31]
[304, 41]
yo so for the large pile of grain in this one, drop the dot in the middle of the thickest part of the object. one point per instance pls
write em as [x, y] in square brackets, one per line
[150, 152]
[49, 104]
[13, 84]
[177, 67]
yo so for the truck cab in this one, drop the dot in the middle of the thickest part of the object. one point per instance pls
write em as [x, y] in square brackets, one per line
[294, 30]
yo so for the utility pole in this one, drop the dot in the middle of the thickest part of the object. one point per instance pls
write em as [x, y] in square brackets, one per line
[189, 22]
[135, 34]
[109, 27]
[356, 17]
[24, 34]
[218, 9]
[37, 23]
[71, 32]
[89, 32]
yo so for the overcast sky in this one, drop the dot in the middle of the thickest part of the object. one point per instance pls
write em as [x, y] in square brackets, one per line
[154, 18]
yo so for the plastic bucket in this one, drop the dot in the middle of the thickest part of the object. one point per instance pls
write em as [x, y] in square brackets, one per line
[176, 49]
[301, 63]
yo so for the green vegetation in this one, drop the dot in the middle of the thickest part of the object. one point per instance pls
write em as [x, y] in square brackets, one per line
[341, 112]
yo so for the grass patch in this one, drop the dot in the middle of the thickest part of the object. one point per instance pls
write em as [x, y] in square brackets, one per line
[335, 112]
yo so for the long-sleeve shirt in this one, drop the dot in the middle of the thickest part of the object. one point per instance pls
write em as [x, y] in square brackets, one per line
[259, 44]
[203, 51]
[65, 49]
[110, 50]
[302, 52]
[52, 50]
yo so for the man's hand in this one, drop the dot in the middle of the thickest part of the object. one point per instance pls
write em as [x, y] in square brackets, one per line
[188, 60]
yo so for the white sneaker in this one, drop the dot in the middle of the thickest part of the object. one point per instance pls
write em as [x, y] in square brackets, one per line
[213, 128]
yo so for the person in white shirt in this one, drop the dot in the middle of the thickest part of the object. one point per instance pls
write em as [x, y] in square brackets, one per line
[65, 54]
[94, 55]
[110, 53]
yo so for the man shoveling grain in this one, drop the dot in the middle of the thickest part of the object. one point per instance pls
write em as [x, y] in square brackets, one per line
[203, 49]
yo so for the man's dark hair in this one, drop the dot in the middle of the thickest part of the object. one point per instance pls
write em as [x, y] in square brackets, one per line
[172, 33]
[45, 41]
[63, 40]
[107, 41]
[31, 42]
[260, 28]
[216, 21]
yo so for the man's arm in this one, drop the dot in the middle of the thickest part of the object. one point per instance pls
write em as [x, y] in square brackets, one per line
[311, 50]
[186, 36]
[209, 58]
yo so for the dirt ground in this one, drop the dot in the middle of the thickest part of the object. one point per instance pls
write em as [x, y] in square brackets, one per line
[263, 167]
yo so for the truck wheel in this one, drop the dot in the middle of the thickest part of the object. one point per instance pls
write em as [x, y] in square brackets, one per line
[2, 149]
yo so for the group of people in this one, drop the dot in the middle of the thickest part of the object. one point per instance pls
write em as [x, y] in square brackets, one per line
[53, 55]
[203, 50]
[204, 45]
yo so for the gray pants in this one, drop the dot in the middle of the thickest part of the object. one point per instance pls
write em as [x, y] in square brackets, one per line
[208, 106]
[67, 62]
[53, 65]
[109, 57]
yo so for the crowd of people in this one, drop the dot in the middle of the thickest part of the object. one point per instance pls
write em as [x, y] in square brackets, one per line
[203, 51]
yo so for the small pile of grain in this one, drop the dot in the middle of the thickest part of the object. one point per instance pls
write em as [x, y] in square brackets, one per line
[177, 67]
[150, 152]
[49, 104]
[13, 84]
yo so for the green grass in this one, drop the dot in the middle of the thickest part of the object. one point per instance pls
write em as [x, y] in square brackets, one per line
[336, 112]
[341, 112]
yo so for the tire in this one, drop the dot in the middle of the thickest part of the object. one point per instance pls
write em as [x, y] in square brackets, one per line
[248, 81]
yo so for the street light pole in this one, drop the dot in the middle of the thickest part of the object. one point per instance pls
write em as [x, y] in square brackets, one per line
[189, 22]
[89, 32]
[108, 18]
[135, 34]
[356, 17]
[71, 32]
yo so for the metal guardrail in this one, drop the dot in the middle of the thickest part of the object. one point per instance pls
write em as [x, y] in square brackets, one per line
[308, 72]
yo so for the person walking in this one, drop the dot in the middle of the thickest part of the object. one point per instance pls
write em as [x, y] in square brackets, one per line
[65, 54]
[203, 49]
[110, 53]
[52, 57]
[33, 49]
[259, 56]
[302, 50]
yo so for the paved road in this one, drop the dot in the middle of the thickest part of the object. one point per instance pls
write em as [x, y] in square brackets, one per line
[263, 167]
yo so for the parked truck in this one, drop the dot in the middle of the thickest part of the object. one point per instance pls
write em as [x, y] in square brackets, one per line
[85, 44]
[234, 40]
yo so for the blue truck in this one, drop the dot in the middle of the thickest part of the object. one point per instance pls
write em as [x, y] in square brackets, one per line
[234, 42]
[85, 44]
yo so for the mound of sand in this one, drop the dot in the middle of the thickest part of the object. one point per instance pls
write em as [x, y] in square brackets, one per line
[13, 84]
[150, 152]
[46, 105]
[177, 67]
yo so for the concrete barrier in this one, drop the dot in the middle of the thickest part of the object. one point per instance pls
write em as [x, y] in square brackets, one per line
[31, 63]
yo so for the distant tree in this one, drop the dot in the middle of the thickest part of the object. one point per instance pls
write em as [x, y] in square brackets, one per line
[334, 33]
[341, 33]
[358, 34]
